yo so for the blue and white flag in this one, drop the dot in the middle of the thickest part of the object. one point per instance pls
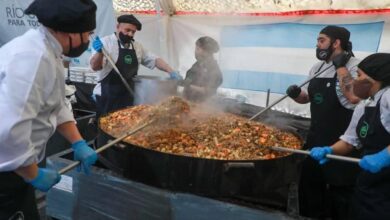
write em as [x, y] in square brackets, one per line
[274, 56]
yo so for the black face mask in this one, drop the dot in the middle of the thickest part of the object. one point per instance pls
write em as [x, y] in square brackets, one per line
[125, 39]
[77, 51]
[324, 54]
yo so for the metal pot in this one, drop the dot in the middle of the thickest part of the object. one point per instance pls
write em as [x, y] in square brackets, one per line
[152, 89]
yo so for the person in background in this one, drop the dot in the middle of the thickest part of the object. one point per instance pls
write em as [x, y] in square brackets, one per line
[331, 105]
[32, 102]
[204, 77]
[128, 55]
[370, 130]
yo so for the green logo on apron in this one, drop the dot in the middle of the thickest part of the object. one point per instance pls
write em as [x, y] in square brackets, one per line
[128, 59]
[364, 130]
[318, 98]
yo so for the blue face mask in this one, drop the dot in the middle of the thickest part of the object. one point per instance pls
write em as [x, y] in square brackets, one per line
[77, 51]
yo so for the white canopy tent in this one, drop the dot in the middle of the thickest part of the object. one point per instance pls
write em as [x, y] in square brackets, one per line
[265, 44]
[172, 7]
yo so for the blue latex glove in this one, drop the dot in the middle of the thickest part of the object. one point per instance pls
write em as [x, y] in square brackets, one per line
[97, 44]
[86, 155]
[175, 75]
[319, 153]
[375, 162]
[45, 179]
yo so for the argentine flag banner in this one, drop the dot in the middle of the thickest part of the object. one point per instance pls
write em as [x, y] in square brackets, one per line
[262, 54]
[271, 57]
[278, 55]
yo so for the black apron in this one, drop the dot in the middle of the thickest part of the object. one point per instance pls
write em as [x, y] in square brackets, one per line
[17, 198]
[114, 93]
[329, 120]
[373, 189]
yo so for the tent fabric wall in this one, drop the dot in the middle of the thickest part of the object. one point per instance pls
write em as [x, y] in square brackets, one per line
[282, 50]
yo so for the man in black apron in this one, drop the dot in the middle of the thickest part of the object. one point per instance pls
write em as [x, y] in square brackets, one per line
[114, 93]
[373, 189]
[323, 193]
[128, 55]
[370, 129]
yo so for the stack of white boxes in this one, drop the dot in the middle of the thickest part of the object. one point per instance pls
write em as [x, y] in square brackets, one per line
[81, 74]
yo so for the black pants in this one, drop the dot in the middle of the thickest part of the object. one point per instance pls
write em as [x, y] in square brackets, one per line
[320, 200]
[17, 198]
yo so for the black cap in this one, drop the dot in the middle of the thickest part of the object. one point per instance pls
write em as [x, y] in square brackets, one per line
[71, 16]
[377, 66]
[341, 33]
[208, 44]
[130, 19]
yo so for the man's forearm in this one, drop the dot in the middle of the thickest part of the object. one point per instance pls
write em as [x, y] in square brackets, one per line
[97, 61]
[28, 172]
[341, 148]
[70, 131]
[162, 65]
[346, 84]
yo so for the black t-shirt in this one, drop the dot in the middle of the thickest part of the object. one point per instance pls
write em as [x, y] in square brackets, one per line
[206, 74]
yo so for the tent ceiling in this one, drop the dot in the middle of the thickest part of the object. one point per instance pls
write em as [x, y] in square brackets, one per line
[139, 5]
[249, 6]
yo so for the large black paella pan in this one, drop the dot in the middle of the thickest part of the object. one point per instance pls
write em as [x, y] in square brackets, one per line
[211, 153]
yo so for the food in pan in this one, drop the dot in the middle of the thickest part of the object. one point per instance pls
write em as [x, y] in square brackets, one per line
[200, 133]
[170, 110]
